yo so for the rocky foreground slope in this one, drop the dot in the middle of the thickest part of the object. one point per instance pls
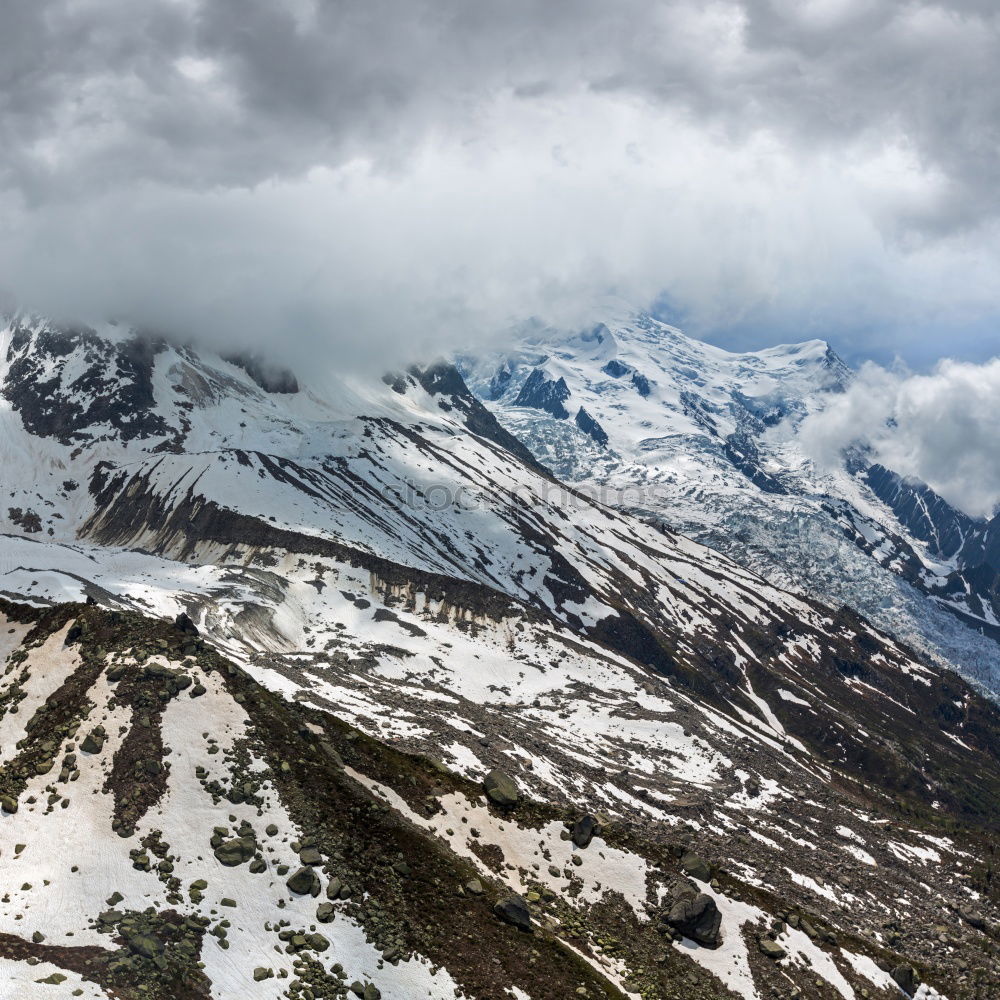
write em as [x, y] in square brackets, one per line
[694, 783]
[171, 828]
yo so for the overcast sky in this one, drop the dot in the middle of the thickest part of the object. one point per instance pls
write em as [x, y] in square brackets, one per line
[418, 172]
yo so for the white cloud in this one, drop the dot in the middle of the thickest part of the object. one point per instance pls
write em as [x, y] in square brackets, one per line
[558, 203]
[941, 428]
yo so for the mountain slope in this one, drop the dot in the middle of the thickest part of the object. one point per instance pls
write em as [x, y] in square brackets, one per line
[376, 556]
[706, 441]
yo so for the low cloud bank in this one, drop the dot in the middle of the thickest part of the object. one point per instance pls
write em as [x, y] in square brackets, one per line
[942, 428]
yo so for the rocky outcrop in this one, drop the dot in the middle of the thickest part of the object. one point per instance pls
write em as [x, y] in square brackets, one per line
[543, 393]
[591, 427]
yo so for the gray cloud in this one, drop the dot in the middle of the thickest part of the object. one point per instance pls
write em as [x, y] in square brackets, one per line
[764, 162]
[941, 428]
[238, 91]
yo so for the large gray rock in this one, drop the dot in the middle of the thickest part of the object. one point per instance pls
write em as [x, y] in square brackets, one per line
[514, 910]
[584, 830]
[696, 866]
[697, 918]
[305, 880]
[236, 851]
[905, 977]
[501, 788]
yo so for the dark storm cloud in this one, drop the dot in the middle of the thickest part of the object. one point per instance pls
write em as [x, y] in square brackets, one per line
[775, 169]
[96, 93]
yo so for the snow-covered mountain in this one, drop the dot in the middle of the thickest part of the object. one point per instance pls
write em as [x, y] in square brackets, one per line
[634, 412]
[354, 636]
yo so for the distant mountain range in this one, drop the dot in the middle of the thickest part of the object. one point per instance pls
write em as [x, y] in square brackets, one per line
[706, 442]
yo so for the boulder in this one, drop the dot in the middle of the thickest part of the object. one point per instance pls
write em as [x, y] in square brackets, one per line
[54, 980]
[771, 948]
[236, 851]
[8, 803]
[501, 789]
[93, 742]
[696, 866]
[140, 943]
[697, 918]
[905, 977]
[184, 624]
[584, 830]
[474, 887]
[514, 910]
[972, 917]
[305, 880]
